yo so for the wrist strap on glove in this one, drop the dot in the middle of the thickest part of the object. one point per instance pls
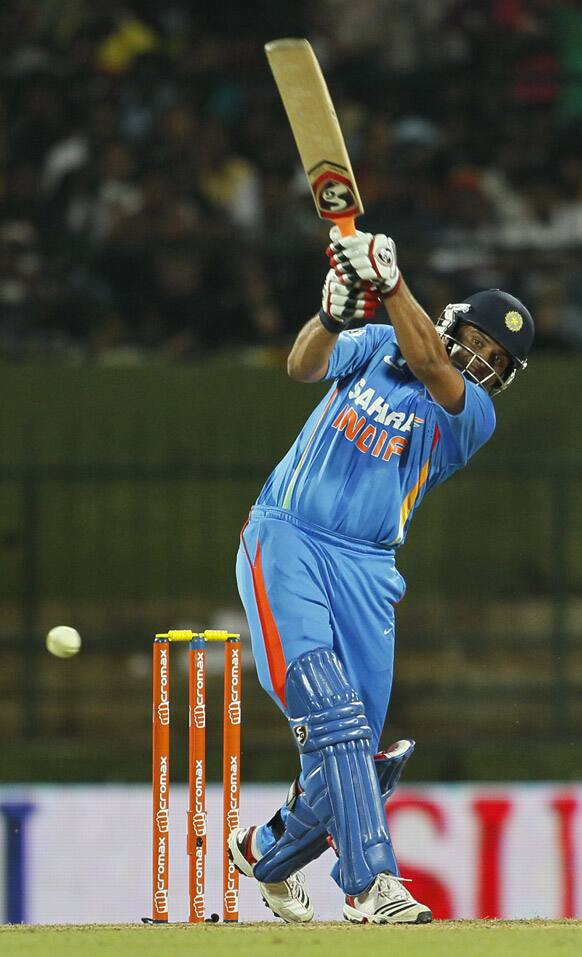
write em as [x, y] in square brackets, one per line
[332, 325]
[391, 292]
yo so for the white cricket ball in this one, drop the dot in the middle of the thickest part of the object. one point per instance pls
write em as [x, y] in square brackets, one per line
[63, 641]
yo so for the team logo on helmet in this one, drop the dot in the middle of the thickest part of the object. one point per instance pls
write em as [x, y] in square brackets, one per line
[514, 321]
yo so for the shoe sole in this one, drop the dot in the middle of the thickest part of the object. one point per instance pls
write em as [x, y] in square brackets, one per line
[425, 917]
[288, 920]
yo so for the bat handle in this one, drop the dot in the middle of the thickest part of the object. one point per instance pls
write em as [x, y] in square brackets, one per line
[347, 227]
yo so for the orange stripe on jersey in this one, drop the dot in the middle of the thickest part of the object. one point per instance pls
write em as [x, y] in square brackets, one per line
[410, 500]
[271, 638]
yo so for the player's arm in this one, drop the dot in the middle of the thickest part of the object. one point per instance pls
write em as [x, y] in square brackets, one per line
[341, 302]
[423, 349]
[372, 259]
[309, 357]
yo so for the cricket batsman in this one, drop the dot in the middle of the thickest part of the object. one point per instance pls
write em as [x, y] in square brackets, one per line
[410, 402]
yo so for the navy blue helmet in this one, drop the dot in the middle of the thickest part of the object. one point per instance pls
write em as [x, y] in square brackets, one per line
[500, 316]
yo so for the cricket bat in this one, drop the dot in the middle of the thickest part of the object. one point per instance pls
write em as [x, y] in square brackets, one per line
[316, 130]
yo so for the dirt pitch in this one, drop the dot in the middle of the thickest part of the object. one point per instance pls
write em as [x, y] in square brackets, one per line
[536, 938]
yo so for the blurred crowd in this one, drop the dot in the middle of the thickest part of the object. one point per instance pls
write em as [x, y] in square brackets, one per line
[151, 201]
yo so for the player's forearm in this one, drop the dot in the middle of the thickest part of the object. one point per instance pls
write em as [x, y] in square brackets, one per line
[417, 337]
[309, 357]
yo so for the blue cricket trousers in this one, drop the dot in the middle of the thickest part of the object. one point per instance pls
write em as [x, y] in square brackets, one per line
[303, 587]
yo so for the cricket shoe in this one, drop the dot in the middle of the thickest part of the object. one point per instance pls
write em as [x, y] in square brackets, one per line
[386, 902]
[287, 899]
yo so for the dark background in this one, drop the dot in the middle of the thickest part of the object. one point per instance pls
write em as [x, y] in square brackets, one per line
[159, 250]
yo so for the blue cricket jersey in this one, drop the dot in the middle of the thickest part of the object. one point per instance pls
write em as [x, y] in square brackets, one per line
[375, 444]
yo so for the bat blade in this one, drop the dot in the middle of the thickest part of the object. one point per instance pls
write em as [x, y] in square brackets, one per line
[317, 133]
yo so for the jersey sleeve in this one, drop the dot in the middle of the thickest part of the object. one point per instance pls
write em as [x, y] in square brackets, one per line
[354, 347]
[463, 434]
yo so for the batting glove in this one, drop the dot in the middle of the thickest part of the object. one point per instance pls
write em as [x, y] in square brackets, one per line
[370, 259]
[341, 302]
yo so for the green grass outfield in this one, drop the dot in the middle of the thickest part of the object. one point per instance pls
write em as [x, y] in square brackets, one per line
[442, 939]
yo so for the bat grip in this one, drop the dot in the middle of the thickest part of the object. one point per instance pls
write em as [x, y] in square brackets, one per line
[347, 227]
